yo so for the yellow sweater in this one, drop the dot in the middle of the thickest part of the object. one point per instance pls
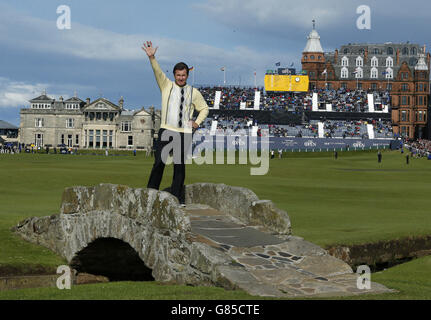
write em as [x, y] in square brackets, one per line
[198, 103]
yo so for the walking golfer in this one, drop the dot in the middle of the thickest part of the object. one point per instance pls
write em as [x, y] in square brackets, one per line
[179, 100]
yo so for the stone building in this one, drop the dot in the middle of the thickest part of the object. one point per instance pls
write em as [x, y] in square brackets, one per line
[99, 124]
[401, 68]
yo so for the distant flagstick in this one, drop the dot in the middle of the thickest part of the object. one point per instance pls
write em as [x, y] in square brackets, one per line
[224, 75]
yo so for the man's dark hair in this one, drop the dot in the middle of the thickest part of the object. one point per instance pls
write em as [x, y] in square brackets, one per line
[181, 66]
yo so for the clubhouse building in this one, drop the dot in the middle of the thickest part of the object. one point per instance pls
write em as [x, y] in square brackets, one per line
[400, 68]
[99, 124]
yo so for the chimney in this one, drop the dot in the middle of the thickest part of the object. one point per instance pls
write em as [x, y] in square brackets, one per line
[88, 101]
[366, 56]
[61, 98]
[121, 102]
[398, 57]
[336, 56]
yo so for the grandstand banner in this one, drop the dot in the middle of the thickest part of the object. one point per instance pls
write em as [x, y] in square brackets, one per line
[290, 144]
[256, 100]
[294, 83]
[217, 100]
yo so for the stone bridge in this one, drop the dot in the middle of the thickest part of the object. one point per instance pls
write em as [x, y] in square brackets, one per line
[225, 236]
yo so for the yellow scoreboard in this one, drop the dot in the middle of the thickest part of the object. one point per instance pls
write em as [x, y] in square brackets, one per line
[275, 82]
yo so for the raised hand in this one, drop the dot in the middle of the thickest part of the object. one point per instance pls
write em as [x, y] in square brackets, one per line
[149, 49]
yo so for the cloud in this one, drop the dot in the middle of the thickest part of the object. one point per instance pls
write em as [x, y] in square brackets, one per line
[84, 42]
[278, 16]
[18, 93]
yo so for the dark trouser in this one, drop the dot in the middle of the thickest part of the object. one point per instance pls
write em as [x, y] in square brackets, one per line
[177, 187]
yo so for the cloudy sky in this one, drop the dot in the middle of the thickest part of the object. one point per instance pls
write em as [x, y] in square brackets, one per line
[101, 55]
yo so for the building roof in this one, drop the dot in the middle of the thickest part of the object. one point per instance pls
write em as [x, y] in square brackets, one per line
[42, 97]
[74, 99]
[313, 43]
[6, 125]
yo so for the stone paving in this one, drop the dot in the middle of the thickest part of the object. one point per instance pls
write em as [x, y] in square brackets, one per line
[274, 266]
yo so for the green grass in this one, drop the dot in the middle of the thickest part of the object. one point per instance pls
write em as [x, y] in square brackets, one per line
[351, 200]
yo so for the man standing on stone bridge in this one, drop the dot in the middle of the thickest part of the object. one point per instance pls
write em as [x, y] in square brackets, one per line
[179, 100]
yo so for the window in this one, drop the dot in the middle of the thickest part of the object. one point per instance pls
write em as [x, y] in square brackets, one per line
[404, 131]
[404, 87]
[404, 115]
[374, 86]
[389, 87]
[420, 116]
[359, 85]
[98, 116]
[376, 51]
[421, 100]
[344, 73]
[404, 76]
[91, 138]
[130, 140]
[70, 123]
[38, 140]
[374, 73]
[62, 139]
[346, 51]
[389, 62]
[105, 138]
[374, 62]
[69, 140]
[390, 51]
[389, 73]
[110, 138]
[344, 85]
[97, 138]
[38, 123]
[312, 57]
[345, 62]
[359, 62]
[359, 73]
[405, 51]
[362, 51]
[421, 87]
[413, 51]
[77, 139]
[126, 126]
[403, 100]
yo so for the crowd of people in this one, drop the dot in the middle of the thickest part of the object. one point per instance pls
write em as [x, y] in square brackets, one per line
[420, 148]
[342, 100]
[332, 128]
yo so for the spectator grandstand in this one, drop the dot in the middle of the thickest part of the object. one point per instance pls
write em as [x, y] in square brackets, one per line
[289, 109]
[342, 100]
